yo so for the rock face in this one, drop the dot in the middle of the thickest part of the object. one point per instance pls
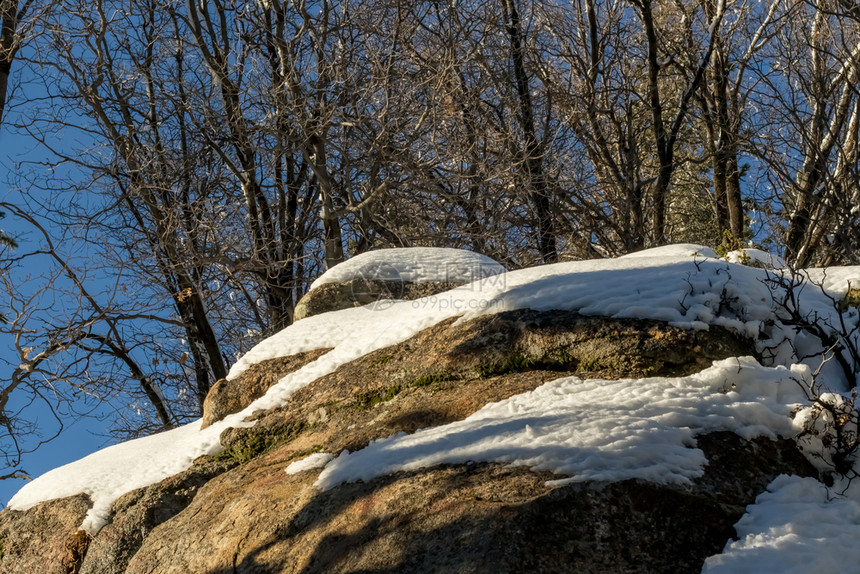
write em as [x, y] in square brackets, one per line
[461, 518]
[362, 291]
[228, 397]
[240, 512]
[139, 512]
[45, 538]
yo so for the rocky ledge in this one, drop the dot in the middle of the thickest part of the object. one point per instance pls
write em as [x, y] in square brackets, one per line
[239, 511]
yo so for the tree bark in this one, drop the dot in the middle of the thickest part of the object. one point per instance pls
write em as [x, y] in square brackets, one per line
[533, 154]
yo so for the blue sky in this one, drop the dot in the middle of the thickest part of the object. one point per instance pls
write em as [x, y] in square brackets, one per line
[80, 437]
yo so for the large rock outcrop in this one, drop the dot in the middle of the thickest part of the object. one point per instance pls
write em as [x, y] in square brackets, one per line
[461, 518]
[240, 512]
[538, 344]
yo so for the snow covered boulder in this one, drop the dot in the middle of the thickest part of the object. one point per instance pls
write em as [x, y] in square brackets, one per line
[379, 277]
[451, 406]
[595, 416]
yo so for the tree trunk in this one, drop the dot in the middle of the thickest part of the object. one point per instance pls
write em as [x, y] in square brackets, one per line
[533, 161]
[11, 17]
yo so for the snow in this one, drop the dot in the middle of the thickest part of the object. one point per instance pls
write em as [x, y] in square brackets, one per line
[310, 462]
[682, 290]
[673, 251]
[578, 429]
[795, 527]
[756, 257]
[597, 430]
[835, 280]
[109, 473]
[414, 265]
[347, 327]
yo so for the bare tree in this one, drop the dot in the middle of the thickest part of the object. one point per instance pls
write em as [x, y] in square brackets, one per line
[74, 350]
[723, 99]
[12, 14]
[626, 86]
[148, 195]
[225, 152]
[809, 143]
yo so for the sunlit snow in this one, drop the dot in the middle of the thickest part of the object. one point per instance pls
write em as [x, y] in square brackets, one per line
[310, 462]
[756, 257]
[597, 430]
[414, 265]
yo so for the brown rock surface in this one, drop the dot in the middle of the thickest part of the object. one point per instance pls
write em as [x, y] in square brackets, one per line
[228, 397]
[240, 512]
[449, 371]
[43, 539]
[462, 518]
[137, 513]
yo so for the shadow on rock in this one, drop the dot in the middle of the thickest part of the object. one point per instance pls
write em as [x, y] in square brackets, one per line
[497, 519]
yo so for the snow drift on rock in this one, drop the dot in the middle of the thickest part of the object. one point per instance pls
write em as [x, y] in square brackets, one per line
[414, 265]
[596, 430]
[796, 527]
[310, 462]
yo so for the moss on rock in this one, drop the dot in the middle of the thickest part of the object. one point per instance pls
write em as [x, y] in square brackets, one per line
[244, 444]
